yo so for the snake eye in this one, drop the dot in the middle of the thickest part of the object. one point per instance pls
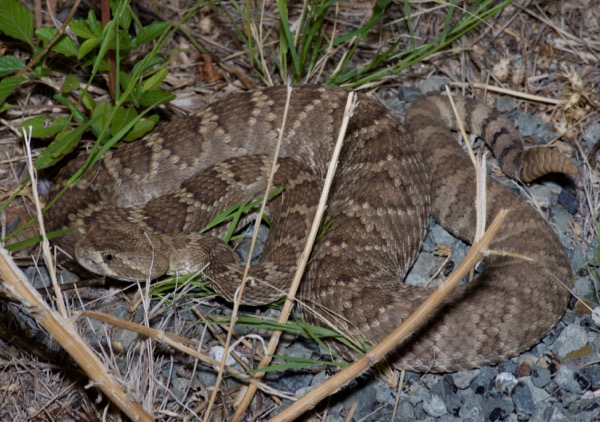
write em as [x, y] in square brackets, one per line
[107, 256]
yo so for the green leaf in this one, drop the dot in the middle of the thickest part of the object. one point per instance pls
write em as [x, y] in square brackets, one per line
[150, 32]
[120, 118]
[94, 24]
[44, 126]
[141, 128]
[145, 64]
[154, 98]
[16, 20]
[64, 143]
[71, 83]
[8, 85]
[68, 103]
[123, 14]
[88, 100]
[87, 46]
[64, 45]
[124, 41]
[9, 64]
[154, 81]
[81, 28]
[124, 80]
[101, 115]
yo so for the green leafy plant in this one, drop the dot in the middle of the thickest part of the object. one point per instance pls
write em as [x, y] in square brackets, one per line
[136, 89]
[301, 47]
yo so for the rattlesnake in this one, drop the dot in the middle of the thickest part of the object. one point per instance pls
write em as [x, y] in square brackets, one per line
[134, 212]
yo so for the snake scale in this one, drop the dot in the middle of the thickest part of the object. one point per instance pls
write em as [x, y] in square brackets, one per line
[138, 211]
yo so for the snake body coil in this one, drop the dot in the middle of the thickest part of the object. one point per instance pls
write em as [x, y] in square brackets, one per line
[138, 212]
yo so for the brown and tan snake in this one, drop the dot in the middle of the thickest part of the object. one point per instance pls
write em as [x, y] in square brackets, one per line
[138, 211]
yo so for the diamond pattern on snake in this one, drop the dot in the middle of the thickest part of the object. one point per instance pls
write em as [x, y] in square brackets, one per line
[137, 214]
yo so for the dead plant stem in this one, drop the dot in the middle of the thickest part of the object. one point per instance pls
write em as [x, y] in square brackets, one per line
[289, 302]
[240, 292]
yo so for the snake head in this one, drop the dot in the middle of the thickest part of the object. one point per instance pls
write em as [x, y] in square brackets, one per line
[123, 254]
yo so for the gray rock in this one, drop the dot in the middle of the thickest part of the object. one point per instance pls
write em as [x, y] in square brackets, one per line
[463, 379]
[591, 134]
[384, 393]
[583, 287]
[561, 221]
[419, 273]
[497, 409]
[542, 195]
[293, 382]
[364, 399]
[571, 380]
[433, 84]
[405, 412]
[472, 410]
[206, 376]
[416, 393]
[408, 94]
[504, 104]
[179, 388]
[40, 278]
[548, 413]
[572, 337]
[434, 406]
[539, 394]
[508, 366]
[523, 399]
[244, 246]
[484, 382]
[430, 380]
[592, 373]
[569, 201]
[505, 382]
[585, 405]
[534, 127]
[540, 377]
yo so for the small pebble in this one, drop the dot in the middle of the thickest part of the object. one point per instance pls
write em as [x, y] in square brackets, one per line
[540, 377]
[463, 379]
[571, 380]
[505, 382]
[573, 337]
[569, 201]
[523, 398]
[591, 134]
[434, 406]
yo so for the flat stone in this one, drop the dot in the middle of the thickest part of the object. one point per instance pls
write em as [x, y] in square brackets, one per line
[463, 379]
[572, 337]
[571, 380]
[434, 406]
[523, 399]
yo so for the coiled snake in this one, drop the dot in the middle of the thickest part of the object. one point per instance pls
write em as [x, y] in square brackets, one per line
[138, 212]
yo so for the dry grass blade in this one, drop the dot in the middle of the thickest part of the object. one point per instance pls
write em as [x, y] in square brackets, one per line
[240, 292]
[287, 307]
[180, 343]
[333, 384]
[17, 287]
[511, 92]
[45, 243]
[57, 324]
